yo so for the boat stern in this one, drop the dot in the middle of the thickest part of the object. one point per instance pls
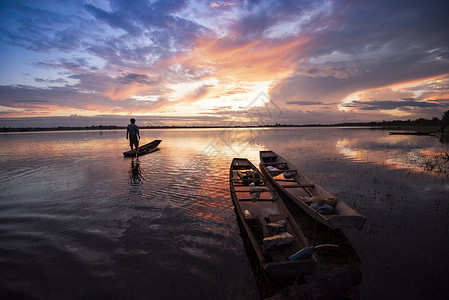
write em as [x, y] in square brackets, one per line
[290, 269]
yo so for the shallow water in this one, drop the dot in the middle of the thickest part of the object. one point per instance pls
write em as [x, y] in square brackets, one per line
[77, 220]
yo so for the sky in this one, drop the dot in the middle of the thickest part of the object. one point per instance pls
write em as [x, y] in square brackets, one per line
[175, 62]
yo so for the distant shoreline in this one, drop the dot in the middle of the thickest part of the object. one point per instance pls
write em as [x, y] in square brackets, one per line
[391, 125]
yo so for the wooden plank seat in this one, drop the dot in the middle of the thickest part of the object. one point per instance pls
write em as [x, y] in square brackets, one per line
[250, 199]
[298, 185]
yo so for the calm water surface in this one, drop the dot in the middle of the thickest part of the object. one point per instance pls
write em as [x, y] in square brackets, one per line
[77, 220]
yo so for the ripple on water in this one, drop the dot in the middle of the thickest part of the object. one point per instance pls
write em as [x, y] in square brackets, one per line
[76, 216]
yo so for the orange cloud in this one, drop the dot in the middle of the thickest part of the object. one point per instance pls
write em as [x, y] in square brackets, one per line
[226, 3]
[429, 95]
[125, 91]
[230, 70]
[259, 60]
[434, 83]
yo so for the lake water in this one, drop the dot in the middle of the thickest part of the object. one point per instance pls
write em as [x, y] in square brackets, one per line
[78, 220]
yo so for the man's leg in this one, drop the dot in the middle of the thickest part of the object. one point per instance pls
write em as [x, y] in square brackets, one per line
[134, 142]
[131, 142]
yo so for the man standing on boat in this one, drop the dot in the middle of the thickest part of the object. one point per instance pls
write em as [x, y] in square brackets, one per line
[133, 131]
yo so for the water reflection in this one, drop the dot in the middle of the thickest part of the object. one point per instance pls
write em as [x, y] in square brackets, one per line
[222, 143]
[401, 154]
[344, 148]
[137, 226]
[444, 138]
[135, 172]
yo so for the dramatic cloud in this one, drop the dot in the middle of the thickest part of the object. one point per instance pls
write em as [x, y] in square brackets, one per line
[207, 61]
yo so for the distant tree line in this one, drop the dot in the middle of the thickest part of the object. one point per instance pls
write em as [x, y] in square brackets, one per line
[395, 123]
[418, 122]
[60, 128]
[444, 121]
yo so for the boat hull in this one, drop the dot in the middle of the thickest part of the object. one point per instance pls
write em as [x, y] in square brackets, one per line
[300, 187]
[142, 150]
[254, 214]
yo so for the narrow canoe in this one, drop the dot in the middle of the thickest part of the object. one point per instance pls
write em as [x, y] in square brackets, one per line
[145, 149]
[272, 231]
[315, 200]
[413, 132]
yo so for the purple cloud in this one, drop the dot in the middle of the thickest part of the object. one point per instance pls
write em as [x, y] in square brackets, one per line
[105, 57]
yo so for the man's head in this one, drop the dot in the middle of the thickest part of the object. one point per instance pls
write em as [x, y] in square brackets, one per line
[132, 120]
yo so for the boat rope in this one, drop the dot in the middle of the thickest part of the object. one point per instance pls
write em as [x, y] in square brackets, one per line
[325, 245]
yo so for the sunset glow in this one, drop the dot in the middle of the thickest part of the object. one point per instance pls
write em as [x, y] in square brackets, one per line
[203, 62]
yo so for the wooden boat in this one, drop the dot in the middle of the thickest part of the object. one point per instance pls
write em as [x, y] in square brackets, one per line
[315, 200]
[413, 132]
[272, 231]
[145, 149]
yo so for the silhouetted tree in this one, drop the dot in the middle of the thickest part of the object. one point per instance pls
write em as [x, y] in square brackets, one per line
[435, 121]
[445, 118]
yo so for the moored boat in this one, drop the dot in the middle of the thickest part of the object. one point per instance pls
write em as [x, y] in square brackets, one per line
[413, 132]
[311, 197]
[145, 149]
[272, 231]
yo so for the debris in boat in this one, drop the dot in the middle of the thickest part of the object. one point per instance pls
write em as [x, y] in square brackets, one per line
[278, 227]
[288, 175]
[254, 188]
[278, 240]
[255, 196]
[273, 170]
[321, 200]
[322, 208]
